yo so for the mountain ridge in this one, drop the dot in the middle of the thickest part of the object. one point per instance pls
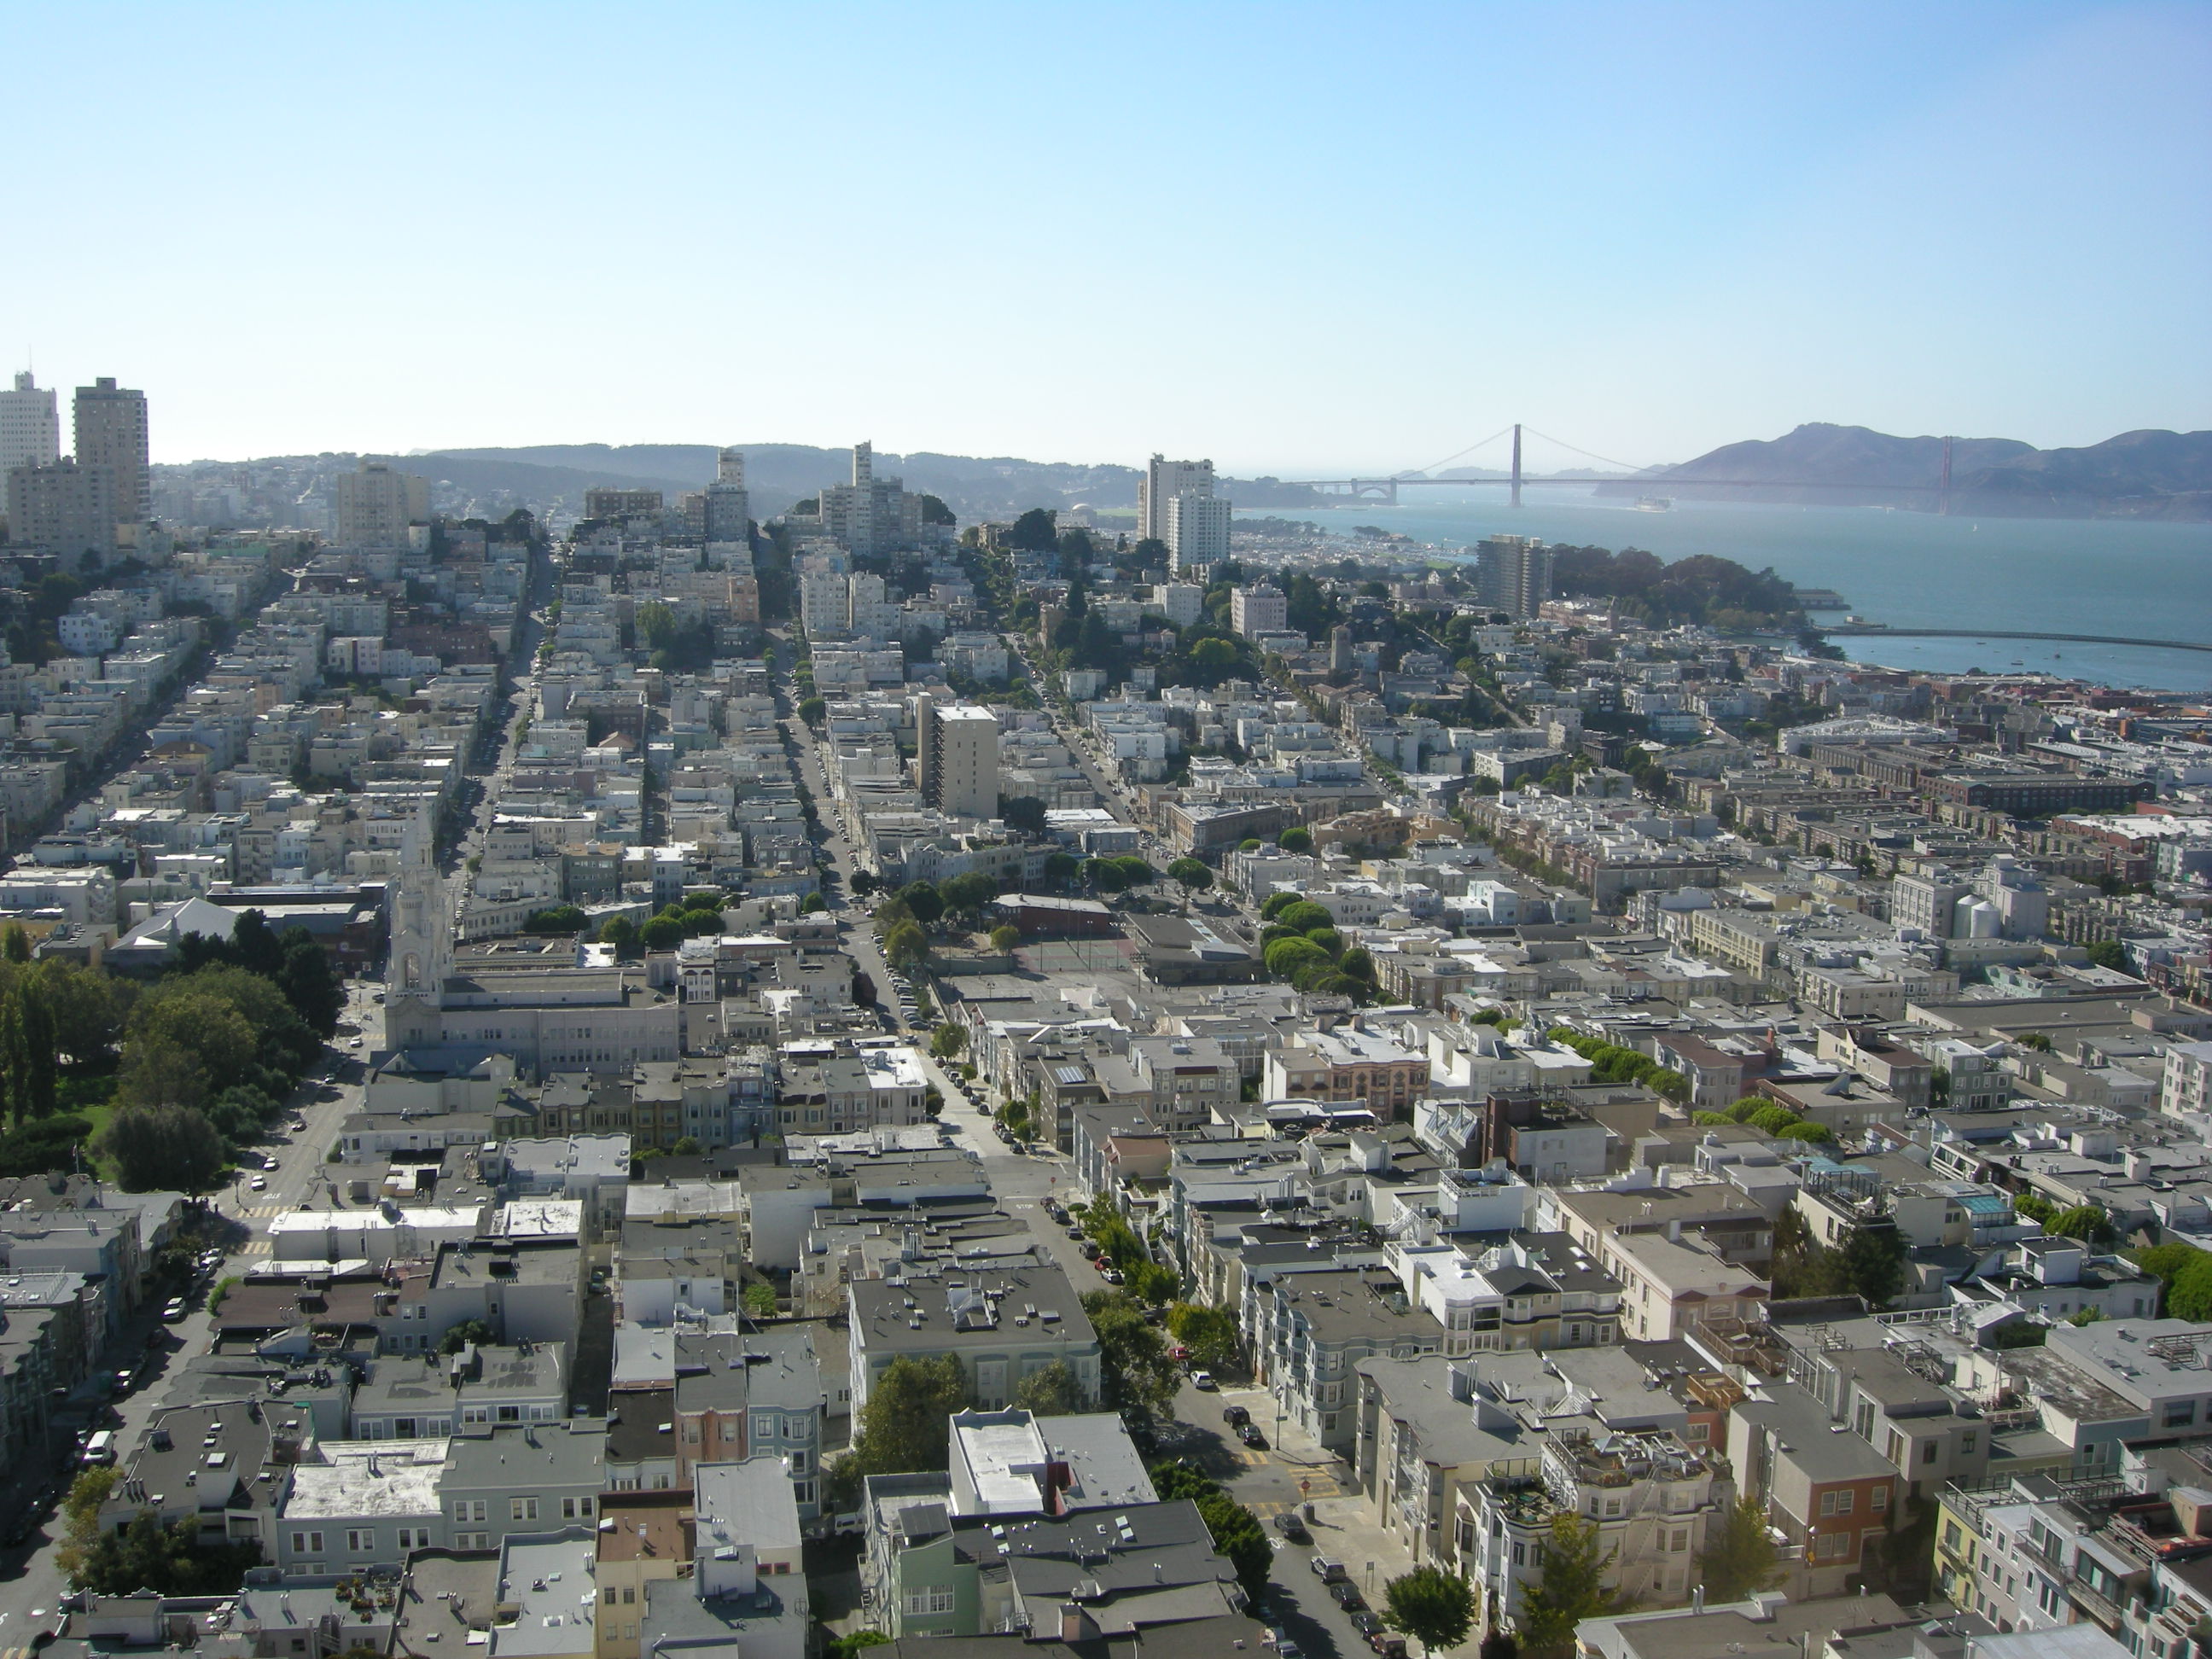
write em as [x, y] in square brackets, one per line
[2148, 473]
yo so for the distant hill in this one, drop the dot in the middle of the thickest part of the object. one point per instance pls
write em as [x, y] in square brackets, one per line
[780, 474]
[2137, 475]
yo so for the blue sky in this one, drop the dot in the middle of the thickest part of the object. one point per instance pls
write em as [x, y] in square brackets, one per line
[1293, 238]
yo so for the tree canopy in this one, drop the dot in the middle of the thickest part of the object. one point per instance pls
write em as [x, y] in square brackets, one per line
[1570, 1587]
[1740, 1555]
[1433, 1606]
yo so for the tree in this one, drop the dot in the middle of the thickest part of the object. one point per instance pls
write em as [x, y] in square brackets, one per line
[905, 944]
[1192, 874]
[1105, 874]
[460, 1335]
[1133, 1366]
[1570, 1587]
[812, 905]
[948, 1040]
[760, 1299]
[923, 902]
[311, 983]
[1023, 812]
[1050, 1391]
[663, 933]
[1296, 839]
[1287, 958]
[1275, 904]
[1035, 532]
[1433, 1606]
[2087, 1222]
[559, 919]
[2109, 953]
[2187, 1272]
[1871, 1261]
[686, 1147]
[156, 1148]
[906, 1424]
[1210, 1334]
[967, 895]
[621, 932]
[1305, 915]
[169, 1560]
[846, 1646]
[1005, 937]
[1739, 1554]
[15, 942]
[811, 709]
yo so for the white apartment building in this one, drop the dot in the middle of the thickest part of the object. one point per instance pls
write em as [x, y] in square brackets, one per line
[1163, 481]
[30, 426]
[1198, 532]
[373, 507]
[2187, 1086]
[1258, 610]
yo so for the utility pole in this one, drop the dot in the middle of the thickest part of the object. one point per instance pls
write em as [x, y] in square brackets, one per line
[1516, 462]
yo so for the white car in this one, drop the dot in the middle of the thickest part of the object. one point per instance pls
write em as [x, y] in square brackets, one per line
[260, 1183]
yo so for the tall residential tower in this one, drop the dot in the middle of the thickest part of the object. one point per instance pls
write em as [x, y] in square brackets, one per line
[30, 426]
[111, 432]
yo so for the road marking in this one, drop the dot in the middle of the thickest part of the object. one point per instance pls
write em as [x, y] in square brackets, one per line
[256, 1247]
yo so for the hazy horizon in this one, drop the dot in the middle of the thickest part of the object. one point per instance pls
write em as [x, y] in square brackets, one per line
[1301, 241]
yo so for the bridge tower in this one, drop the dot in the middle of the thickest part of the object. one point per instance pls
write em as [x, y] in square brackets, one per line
[1516, 462]
[1943, 491]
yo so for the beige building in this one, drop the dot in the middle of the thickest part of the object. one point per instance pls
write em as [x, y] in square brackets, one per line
[111, 432]
[643, 1537]
[67, 509]
[1198, 532]
[959, 746]
[373, 507]
[1258, 610]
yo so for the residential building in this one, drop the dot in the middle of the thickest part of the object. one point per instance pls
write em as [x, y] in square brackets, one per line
[1258, 610]
[30, 426]
[958, 748]
[1513, 573]
[1001, 1324]
[111, 432]
[65, 507]
[1198, 530]
[1163, 482]
[373, 506]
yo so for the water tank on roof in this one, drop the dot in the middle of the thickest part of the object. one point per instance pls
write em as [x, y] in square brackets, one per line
[1977, 918]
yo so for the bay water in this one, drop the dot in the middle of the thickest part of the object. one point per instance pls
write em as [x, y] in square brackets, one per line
[2119, 577]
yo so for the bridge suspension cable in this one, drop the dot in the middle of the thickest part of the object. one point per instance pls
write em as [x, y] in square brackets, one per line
[1626, 466]
[1469, 450]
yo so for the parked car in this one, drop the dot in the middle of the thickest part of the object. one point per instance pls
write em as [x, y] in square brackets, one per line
[1075, 1232]
[1367, 1624]
[173, 1310]
[1292, 1528]
[1329, 1572]
[1348, 1596]
[1113, 1275]
[1202, 1381]
[1286, 1647]
[1250, 1435]
[259, 1184]
[1236, 1416]
[1090, 1250]
[1389, 1646]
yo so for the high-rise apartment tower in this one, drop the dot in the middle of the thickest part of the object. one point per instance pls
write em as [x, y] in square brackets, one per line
[111, 432]
[30, 426]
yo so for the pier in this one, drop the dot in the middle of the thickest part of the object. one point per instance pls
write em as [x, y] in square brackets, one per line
[1877, 629]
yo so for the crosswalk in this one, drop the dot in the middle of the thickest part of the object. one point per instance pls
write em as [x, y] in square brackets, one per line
[255, 1247]
[262, 1212]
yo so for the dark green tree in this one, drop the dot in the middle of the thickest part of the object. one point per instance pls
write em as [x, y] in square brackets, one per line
[1433, 1606]
[906, 1424]
[1739, 1554]
[1050, 1391]
[1035, 532]
[924, 901]
[1569, 1589]
[1134, 1370]
[164, 1148]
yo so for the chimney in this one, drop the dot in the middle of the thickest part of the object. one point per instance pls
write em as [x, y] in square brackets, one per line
[1076, 1625]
